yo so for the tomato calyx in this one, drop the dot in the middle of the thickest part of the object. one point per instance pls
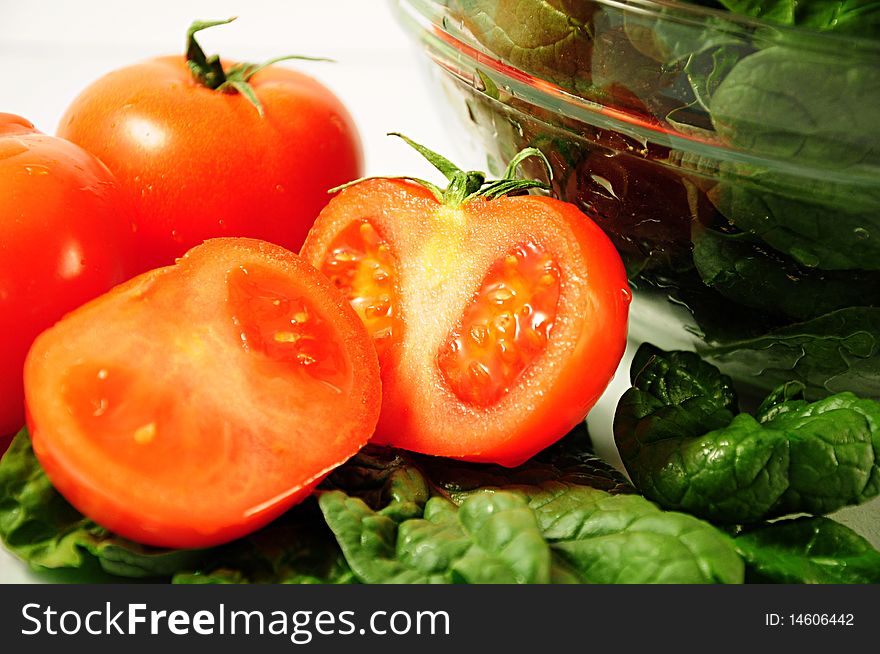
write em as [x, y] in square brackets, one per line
[467, 185]
[209, 72]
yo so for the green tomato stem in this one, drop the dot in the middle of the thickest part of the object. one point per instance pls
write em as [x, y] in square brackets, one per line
[209, 72]
[465, 186]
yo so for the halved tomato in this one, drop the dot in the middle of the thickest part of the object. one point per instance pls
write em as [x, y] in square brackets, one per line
[196, 402]
[498, 321]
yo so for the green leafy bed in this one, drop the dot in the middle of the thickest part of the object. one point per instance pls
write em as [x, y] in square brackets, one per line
[777, 253]
[564, 517]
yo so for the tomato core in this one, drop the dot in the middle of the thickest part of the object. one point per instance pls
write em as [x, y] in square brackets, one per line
[504, 328]
[361, 265]
[283, 329]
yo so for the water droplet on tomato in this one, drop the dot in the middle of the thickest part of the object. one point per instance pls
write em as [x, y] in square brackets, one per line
[344, 256]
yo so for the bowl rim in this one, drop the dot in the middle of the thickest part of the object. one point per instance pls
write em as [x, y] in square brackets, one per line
[426, 21]
[686, 13]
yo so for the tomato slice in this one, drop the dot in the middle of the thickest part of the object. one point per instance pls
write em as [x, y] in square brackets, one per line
[197, 402]
[505, 321]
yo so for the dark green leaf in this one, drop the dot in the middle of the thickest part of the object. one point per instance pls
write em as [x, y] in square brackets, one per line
[808, 551]
[436, 521]
[753, 275]
[851, 17]
[297, 548]
[550, 38]
[685, 449]
[767, 106]
[604, 538]
[829, 224]
[829, 354]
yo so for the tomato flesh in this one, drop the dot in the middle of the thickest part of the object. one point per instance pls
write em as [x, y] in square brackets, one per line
[121, 413]
[505, 327]
[284, 329]
[195, 403]
[361, 265]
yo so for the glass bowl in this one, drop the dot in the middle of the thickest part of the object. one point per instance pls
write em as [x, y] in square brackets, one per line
[734, 163]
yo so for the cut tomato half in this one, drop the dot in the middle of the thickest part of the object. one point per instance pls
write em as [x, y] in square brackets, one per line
[499, 322]
[197, 402]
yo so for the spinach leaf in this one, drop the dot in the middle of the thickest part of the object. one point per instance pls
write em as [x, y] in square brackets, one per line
[584, 47]
[830, 224]
[550, 38]
[426, 520]
[707, 69]
[296, 548]
[743, 270]
[409, 535]
[705, 54]
[808, 551]
[852, 17]
[491, 539]
[686, 449]
[767, 105]
[832, 353]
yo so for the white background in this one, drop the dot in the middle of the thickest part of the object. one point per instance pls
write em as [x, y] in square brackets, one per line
[51, 50]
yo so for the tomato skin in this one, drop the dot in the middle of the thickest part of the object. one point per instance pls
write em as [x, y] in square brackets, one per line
[442, 255]
[66, 238]
[153, 416]
[199, 163]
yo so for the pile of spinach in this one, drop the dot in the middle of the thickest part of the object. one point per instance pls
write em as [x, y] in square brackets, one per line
[687, 447]
[781, 269]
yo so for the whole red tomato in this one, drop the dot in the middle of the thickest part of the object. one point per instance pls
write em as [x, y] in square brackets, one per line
[66, 238]
[208, 149]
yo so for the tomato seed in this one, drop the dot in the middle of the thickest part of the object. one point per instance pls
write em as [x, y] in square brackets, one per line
[145, 434]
